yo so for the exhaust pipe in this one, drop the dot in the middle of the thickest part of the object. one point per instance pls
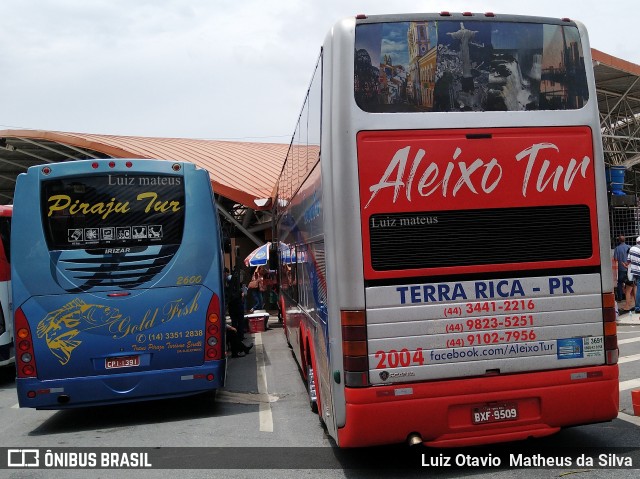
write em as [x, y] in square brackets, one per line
[414, 439]
[63, 399]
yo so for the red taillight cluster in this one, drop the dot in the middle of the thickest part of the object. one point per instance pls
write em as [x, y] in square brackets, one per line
[610, 329]
[112, 164]
[213, 333]
[25, 359]
[355, 358]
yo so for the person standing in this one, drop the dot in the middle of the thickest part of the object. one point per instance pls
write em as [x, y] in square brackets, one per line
[633, 263]
[234, 300]
[255, 286]
[264, 287]
[620, 254]
[245, 297]
[237, 347]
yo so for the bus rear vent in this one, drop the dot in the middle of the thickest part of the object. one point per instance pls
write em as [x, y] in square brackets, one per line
[474, 237]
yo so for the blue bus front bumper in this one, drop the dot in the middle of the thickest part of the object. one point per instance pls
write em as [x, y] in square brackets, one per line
[126, 387]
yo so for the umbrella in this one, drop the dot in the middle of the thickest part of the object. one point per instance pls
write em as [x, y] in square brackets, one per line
[260, 255]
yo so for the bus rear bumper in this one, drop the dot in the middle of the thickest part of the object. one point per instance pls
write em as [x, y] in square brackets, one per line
[453, 413]
[127, 387]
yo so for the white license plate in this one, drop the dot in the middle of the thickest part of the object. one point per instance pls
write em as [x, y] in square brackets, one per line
[494, 413]
[122, 362]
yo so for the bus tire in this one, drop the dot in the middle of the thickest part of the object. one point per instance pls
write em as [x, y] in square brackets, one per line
[3, 324]
[209, 397]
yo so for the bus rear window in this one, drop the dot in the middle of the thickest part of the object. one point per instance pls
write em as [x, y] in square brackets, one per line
[450, 66]
[113, 211]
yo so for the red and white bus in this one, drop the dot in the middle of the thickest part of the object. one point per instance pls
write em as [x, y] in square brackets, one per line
[6, 315]
[448, 274]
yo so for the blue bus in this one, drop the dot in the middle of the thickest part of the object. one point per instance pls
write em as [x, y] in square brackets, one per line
[117, 273]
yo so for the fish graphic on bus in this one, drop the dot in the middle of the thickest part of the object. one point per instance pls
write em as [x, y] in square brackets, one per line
[61, 327]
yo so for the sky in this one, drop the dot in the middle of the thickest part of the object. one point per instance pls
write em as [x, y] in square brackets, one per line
[232, 70]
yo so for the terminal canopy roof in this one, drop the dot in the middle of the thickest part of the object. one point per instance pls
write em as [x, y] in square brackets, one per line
[618, 89]
[241, 172]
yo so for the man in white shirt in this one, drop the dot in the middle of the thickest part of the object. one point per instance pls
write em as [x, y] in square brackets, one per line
[633, 260]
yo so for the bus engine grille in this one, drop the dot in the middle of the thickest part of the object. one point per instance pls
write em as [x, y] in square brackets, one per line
[478, 237]
[113, 270]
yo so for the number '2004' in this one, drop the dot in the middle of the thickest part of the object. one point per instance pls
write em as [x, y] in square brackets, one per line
[402, 358]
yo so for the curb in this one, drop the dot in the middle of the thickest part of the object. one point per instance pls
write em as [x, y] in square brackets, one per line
[628, 319]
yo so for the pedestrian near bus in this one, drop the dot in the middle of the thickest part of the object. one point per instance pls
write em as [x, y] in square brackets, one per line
[633, 263]
[255, 289]
[237, 347]
[620, 254]
[234, 301]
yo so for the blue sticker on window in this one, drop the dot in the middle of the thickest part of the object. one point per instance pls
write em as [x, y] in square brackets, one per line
[570, 348]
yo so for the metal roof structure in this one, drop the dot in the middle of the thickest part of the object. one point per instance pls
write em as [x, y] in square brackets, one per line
[244, 172]
[240, 172]
[618, 89]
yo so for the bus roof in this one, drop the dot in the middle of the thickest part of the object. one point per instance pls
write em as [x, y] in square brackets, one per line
[460, 16]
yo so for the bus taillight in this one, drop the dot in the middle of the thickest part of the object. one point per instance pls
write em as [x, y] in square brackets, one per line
[355, 358]
[213, 332]
[25, 359]
[610, 328]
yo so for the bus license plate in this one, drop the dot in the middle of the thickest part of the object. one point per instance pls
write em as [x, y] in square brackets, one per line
[495, 413]
[122, 362]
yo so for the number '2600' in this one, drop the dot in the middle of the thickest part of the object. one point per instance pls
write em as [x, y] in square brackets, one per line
[189, 279]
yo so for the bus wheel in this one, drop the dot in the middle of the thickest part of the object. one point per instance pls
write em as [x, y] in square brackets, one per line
[311, 389]
[209, 397]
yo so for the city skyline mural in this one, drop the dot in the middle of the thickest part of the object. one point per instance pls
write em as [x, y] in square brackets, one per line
[468, 66]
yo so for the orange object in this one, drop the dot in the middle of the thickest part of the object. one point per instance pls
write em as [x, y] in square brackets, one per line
[635, 399]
